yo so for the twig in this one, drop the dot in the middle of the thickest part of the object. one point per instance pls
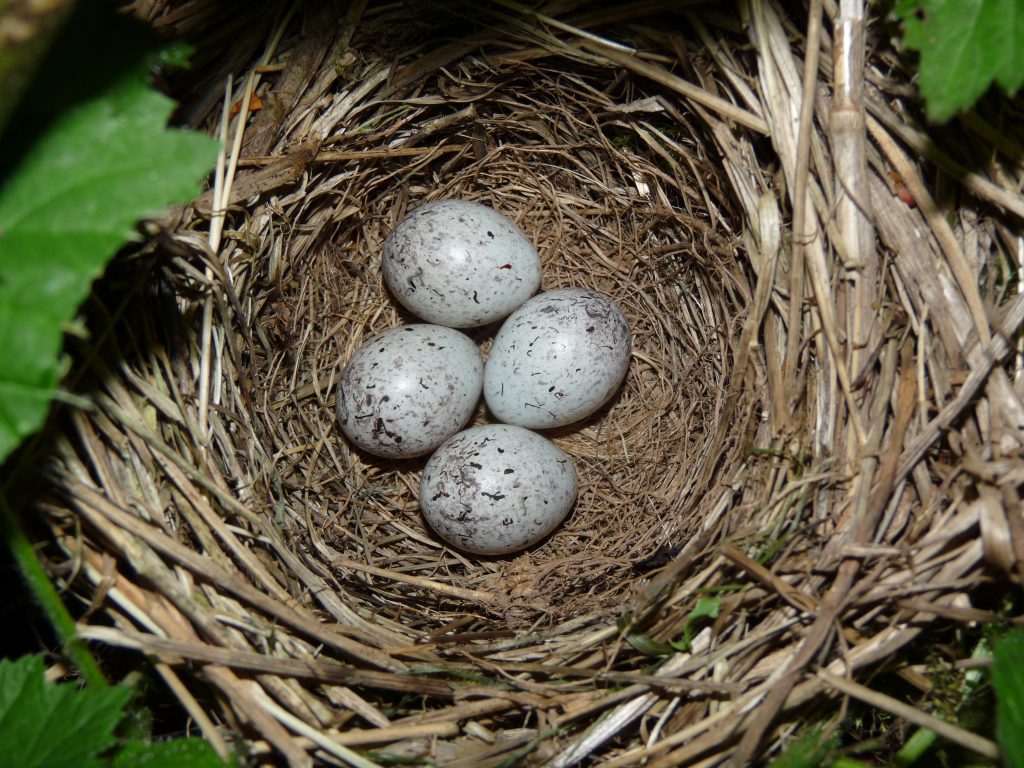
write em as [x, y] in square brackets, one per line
[318, 671]
[471, 595]
[924, 146]
[804, 230]
[552, 22]
[870, 504]
[91, 503]
[802, 602]
[320, 739]
[992, 354]
[133, 601]
[661, 75]
[216, 228]
[949, 731]
[195, 711]
[339, 156]
[222, 192]
[777, 72]
[849, 138]
[619, 718]
[45, 593]
[244, 695]
[769, 244]
[966, 279]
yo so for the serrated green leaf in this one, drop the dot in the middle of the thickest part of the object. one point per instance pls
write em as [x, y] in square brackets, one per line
[54, 726]
[965, 46]
[1008, 682]
[85, 158]
[180, 753]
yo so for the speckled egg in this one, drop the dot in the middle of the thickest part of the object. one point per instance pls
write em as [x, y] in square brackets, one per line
[557, 359]
[496, 489]
[460, 264]
[408, 389]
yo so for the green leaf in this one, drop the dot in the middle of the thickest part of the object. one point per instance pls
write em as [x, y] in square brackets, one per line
[706, 608]
[808, 750]
[647, 645]
[85, 158]
[54, 726]
[1008, 682]
[965, 46]
[916, 746]
[180, 753]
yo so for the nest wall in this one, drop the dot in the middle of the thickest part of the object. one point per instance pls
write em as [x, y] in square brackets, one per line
[816, 430]
[600, 220]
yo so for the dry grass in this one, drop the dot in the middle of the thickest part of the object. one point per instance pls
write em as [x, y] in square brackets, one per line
[821, 425]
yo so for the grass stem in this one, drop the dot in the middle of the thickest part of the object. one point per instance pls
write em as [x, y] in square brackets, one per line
[47, 597]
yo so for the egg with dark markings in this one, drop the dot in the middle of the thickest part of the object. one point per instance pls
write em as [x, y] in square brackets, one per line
[557, 359]
[496, 489]
[408, 389]
[460, 264]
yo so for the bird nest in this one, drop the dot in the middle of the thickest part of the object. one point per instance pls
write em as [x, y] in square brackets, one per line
[814, 458]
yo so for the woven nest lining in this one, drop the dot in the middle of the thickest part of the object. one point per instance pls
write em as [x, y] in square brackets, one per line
[592, 231]
[226, 523]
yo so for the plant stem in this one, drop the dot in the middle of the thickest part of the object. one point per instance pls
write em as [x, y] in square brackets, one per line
[46, 595]
[919, 743]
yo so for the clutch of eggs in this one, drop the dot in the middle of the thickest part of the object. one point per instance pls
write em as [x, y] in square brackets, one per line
[408, 389]
[557, 359]
[460, 264]
[496, 489]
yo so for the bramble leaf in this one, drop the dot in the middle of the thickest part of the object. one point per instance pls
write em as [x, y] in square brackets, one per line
[194, 753]
[1008, 682]
[965, 46]
[50, 725]
[85, 157]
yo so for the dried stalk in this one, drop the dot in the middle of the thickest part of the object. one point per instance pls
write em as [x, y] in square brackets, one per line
[848, 131]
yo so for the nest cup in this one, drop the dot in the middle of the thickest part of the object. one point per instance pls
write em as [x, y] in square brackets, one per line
[286, 585]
